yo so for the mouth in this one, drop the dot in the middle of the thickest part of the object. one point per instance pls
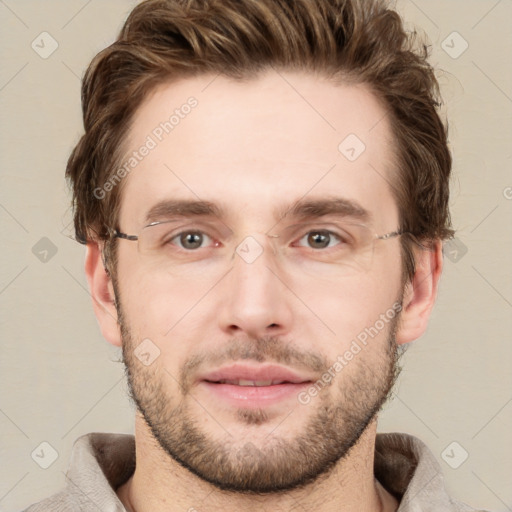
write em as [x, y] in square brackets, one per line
[253, 386]
[246, 382]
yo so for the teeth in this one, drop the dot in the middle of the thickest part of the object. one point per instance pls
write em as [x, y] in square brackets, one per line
[245, 382]
[242, 382]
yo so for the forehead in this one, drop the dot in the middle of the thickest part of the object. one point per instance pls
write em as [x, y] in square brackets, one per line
[255, 145]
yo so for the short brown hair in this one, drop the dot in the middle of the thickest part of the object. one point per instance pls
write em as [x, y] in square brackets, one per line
[359, 41]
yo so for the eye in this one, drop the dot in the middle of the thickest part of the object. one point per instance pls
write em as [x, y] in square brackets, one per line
[190, 240]
[320, 239]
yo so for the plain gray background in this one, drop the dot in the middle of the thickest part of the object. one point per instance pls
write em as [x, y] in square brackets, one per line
[59, 379]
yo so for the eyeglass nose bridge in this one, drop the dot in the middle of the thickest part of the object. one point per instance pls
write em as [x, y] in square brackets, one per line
[250, 249]
[273, 245]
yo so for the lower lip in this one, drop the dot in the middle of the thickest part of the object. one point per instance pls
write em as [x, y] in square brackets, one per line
[254, 396]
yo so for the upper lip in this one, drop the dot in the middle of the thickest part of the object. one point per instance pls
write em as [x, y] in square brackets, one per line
[261, 372]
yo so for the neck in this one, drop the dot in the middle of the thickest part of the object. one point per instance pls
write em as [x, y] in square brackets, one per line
[159, 483]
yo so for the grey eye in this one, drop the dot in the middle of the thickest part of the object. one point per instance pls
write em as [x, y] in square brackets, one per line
[319, 239]
[190, 240]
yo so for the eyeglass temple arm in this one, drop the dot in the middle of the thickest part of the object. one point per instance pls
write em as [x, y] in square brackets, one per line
[118, 234]
[391, 235]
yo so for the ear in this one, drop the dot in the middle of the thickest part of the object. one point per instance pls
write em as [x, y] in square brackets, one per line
[102, 293]
[420, 293]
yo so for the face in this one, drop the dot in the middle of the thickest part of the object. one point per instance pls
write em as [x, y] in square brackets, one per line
[258, 330]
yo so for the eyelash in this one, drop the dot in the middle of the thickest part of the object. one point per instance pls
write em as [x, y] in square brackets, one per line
[316, 231]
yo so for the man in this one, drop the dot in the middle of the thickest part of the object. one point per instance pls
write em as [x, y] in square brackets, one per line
[263, 190]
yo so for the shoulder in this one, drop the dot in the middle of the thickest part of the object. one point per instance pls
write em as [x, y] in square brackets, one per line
[100, 463]
[408, 469]
[59, 502]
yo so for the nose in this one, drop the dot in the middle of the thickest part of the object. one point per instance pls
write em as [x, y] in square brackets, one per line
[255, 298]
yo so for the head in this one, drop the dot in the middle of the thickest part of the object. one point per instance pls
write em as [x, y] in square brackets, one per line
[274, 103]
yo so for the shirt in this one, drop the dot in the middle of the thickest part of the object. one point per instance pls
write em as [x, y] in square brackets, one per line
[102, 462]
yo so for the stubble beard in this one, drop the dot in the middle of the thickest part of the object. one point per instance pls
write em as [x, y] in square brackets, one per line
[278, 464]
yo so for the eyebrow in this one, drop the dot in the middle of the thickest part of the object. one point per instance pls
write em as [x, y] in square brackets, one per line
[301, 209]
[313, 208]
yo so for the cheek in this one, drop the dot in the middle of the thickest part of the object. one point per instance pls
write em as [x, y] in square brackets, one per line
[169, 312]
[143, 303]
[339, 311]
